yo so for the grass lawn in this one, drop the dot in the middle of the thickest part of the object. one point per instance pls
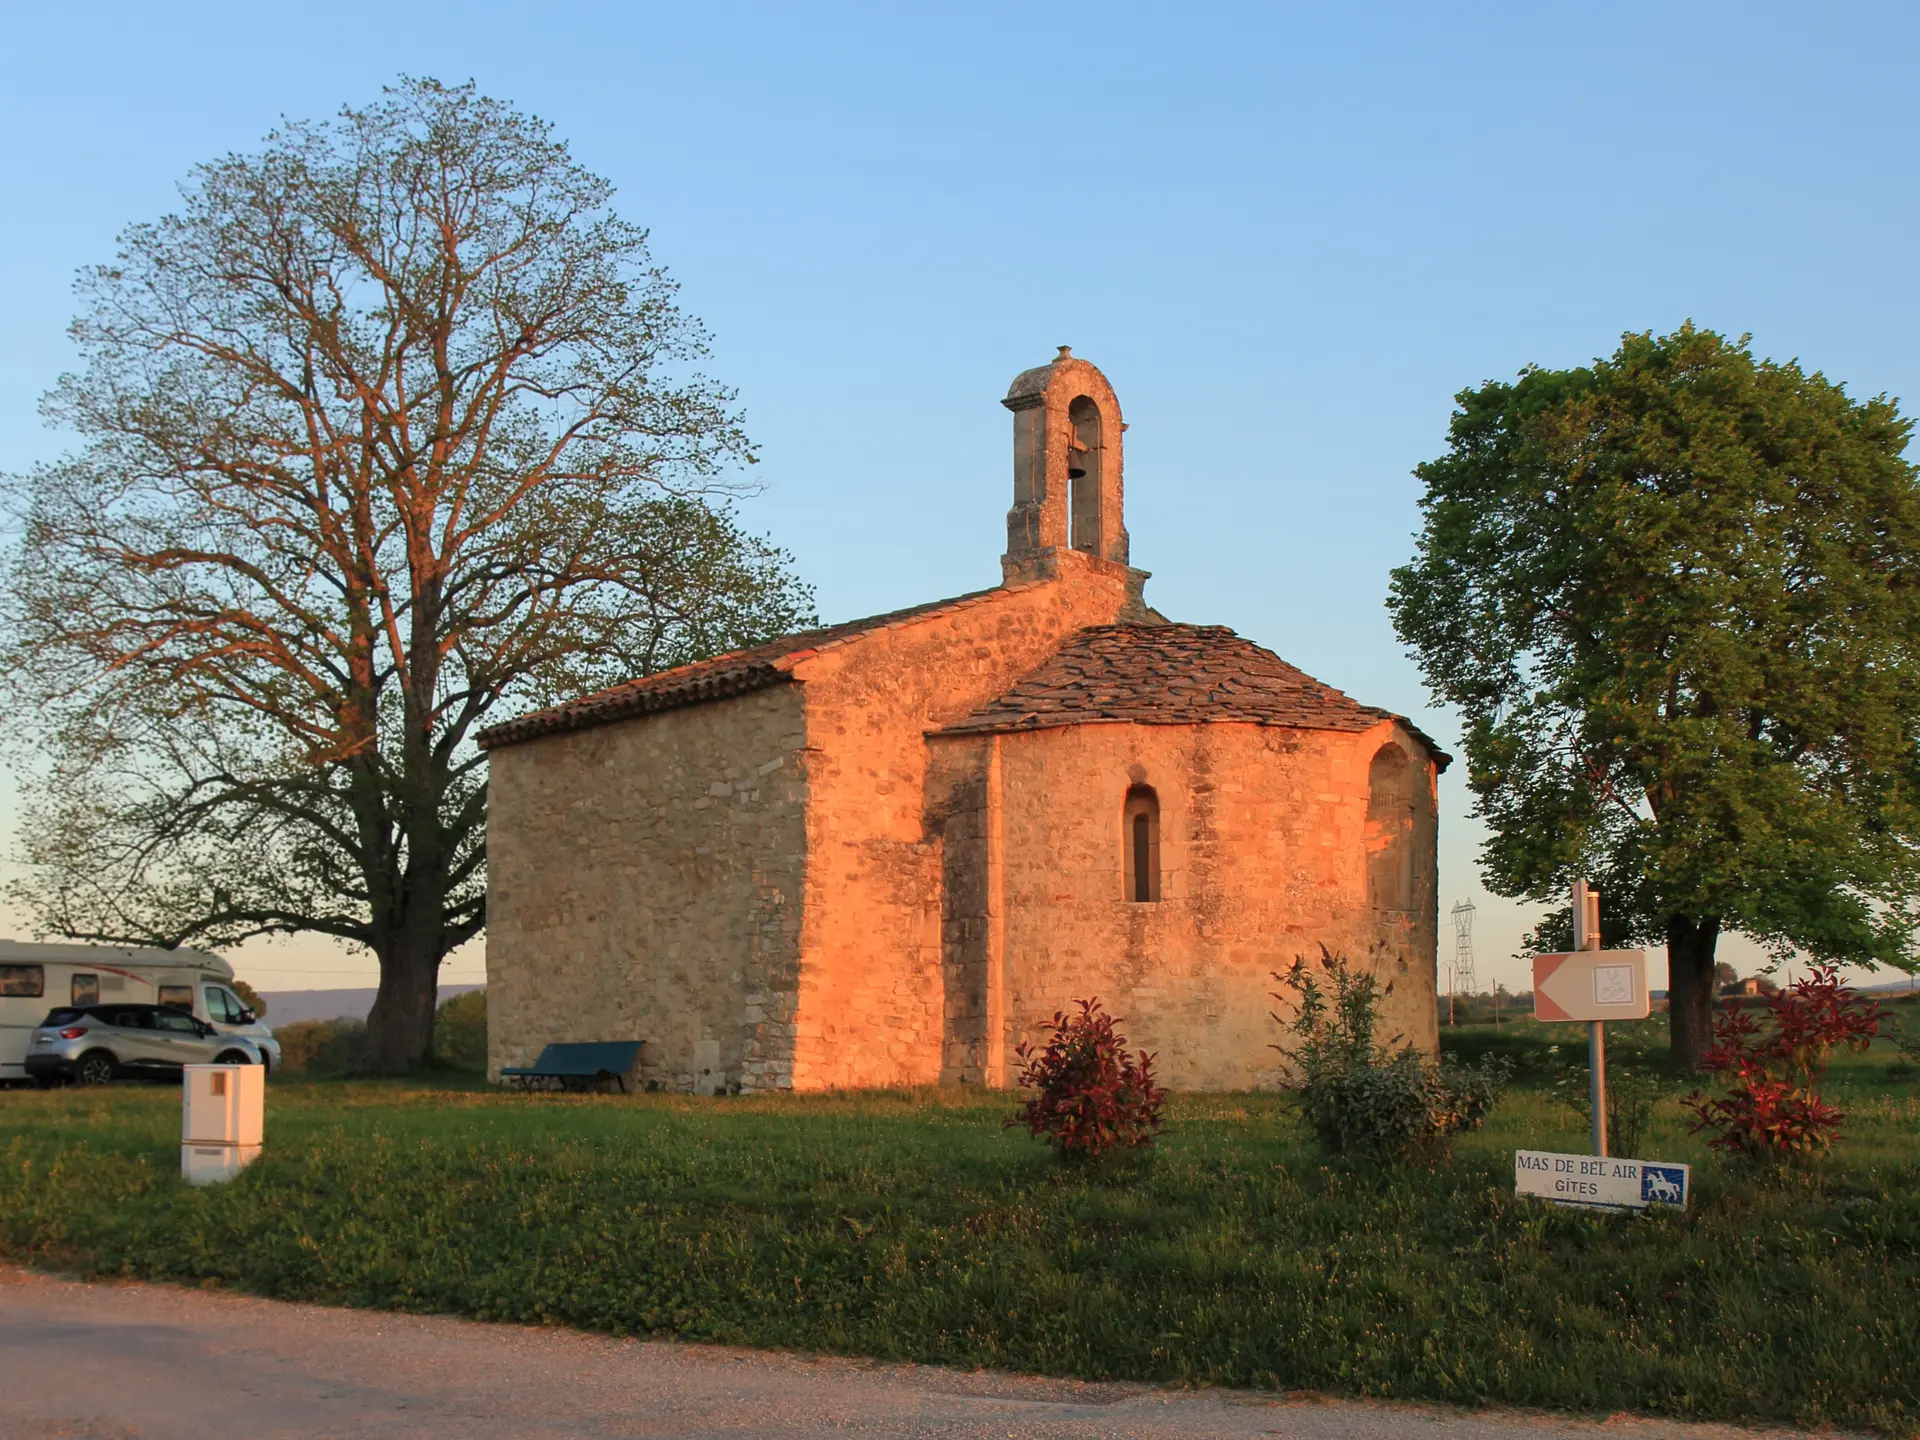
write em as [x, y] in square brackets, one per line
[910, 1225]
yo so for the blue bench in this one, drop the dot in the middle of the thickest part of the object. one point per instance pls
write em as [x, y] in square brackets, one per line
[576, 1066]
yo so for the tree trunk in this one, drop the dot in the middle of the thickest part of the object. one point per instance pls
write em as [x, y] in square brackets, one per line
[409, 909]
[1690, 987]
[400, 1025]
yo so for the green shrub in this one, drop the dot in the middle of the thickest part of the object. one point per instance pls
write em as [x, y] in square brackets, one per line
[1637, 1081]
[460, 1030]
[337, 1047]
[1902, 1027]
[321, 1047]
[1358, 1095]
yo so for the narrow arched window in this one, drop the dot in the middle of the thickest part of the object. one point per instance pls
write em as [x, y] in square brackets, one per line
[1389, 835]
[1140, 844]
[1086, 457]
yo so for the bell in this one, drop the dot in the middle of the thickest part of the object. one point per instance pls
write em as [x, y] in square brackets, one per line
[1075, 449]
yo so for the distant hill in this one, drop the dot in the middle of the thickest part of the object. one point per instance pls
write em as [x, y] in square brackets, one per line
[287, 1007]
[1901, 987]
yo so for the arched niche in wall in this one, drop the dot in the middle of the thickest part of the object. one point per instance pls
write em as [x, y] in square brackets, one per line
[1140, 845]
[1389, 832]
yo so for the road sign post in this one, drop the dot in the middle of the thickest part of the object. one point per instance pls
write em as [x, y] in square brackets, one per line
[1586, 936]
[1597, 1082]
[1593, 985]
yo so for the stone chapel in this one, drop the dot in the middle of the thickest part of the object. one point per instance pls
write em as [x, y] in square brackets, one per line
[886, 852]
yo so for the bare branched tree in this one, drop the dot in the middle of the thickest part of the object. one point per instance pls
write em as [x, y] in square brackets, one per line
[392, 428]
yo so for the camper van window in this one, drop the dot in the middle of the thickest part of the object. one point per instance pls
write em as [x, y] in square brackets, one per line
[181, 995]
[86, 989]
[23, 980]
[223, 1007]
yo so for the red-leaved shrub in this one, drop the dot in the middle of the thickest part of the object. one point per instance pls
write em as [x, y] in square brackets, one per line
[1771, 1109]
[1089, 1095]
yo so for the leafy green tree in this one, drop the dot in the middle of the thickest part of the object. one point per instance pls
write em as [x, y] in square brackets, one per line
[393, 428]
[1675, 596]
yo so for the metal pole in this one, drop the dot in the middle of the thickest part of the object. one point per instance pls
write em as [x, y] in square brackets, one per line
[1586, 936]
[1597, 1083]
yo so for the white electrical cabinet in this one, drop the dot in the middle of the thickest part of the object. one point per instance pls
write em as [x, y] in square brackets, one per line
[222, 1118]
[210, 1164]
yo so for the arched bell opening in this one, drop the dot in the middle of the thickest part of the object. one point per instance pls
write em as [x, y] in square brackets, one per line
[1086, 464]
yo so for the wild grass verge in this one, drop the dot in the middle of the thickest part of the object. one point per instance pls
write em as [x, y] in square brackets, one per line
[910, 1225]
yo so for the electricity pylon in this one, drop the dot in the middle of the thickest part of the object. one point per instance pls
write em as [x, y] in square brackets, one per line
[1463, 977]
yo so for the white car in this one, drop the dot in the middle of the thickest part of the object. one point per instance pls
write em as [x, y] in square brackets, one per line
[98, 1044]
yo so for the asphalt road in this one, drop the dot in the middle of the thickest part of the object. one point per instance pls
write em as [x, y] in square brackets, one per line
[115, 1362]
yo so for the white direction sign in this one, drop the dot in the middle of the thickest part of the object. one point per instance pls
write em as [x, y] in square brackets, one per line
[1599, 1180]
[1590, 985]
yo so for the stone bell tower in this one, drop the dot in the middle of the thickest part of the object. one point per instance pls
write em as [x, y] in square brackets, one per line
[1067, 492]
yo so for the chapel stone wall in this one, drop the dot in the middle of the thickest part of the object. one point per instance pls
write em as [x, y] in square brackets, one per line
[645, 882]
[1262, 855]
[964, 814]
[872, 1003]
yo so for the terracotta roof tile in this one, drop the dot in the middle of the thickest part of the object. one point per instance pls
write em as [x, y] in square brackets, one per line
[734, 673]
[1171, 675]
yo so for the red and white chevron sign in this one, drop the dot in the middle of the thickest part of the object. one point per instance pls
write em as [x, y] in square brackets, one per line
[1590, 985]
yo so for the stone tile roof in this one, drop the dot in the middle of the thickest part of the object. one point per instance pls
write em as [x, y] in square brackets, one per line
[734, 673]
[1171, 675]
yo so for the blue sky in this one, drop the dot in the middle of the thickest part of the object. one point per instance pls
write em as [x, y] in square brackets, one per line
[1288, 235]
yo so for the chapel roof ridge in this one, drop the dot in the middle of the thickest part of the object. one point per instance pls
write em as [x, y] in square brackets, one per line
[733, 673]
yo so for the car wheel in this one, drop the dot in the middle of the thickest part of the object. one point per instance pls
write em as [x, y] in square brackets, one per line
[232, 1057]
[96, 1067]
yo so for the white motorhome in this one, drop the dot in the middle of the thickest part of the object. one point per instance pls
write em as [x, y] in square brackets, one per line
[37, 978]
